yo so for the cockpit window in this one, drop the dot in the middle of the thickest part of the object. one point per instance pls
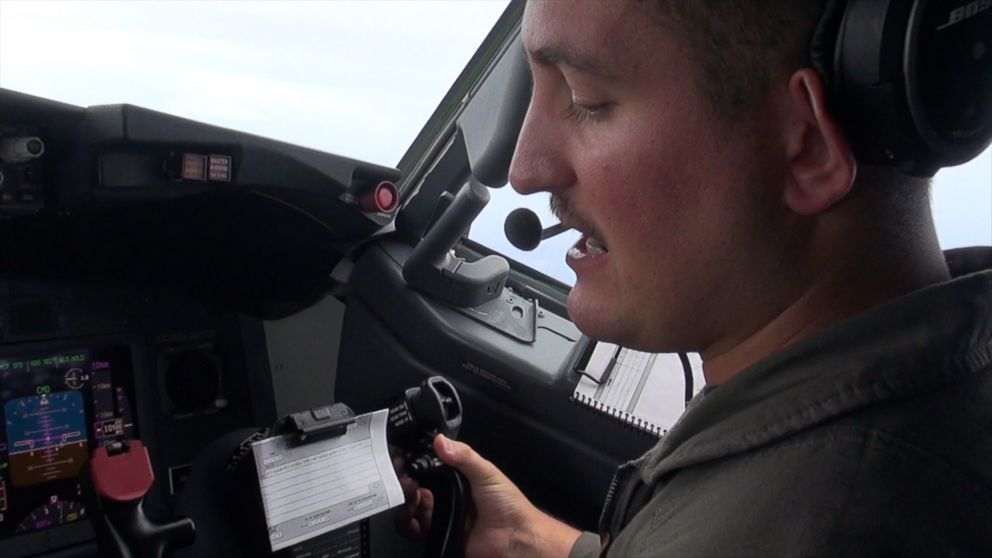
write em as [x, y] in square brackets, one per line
[354, 78]
[548, 258]
[962, 203]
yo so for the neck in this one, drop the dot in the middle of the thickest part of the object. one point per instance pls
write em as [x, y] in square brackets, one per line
[837, 291]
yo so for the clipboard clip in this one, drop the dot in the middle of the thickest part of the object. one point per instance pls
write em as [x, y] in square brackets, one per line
[325, 421]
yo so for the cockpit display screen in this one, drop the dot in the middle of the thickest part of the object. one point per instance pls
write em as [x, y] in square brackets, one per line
[56, 408]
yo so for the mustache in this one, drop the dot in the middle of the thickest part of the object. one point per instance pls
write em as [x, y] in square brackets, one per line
[563, 210]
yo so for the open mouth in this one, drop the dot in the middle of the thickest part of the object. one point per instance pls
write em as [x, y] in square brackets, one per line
[588, 246]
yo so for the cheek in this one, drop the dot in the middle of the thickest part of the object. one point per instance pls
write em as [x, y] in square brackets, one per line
[642, 191]
[618, 201]
[639, 175]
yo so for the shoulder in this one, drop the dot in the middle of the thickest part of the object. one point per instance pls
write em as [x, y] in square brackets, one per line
[906, 478]
[909, 477]
[945, 432]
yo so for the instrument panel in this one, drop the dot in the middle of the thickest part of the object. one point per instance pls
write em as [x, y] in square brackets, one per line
[85, 364]
[56, 408]
[135, 287]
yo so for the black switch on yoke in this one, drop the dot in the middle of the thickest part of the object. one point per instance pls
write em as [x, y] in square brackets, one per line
[415, 418]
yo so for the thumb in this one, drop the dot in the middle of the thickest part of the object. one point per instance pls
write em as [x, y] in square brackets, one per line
[461, 456]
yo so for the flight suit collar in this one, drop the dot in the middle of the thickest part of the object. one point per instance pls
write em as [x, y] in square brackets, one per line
[913, 344]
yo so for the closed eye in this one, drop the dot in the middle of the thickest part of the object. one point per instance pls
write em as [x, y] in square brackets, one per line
[582, 113]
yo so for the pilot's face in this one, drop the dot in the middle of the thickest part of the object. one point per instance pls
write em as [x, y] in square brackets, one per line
[670, 199]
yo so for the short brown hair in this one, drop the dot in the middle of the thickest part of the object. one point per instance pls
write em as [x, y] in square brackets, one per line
[741, 46]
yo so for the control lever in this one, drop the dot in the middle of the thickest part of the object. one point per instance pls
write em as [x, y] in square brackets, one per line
[415, 418]
[121, 473]
[433, 267]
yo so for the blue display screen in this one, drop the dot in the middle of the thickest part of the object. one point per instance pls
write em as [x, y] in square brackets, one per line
[56, 409]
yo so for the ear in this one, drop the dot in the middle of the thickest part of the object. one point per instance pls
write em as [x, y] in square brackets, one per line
[820, 159]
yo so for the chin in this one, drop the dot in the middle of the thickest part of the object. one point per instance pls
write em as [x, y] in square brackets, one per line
[601, 319]
[596, 318]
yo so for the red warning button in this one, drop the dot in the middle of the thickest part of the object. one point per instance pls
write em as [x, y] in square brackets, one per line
[381, 198]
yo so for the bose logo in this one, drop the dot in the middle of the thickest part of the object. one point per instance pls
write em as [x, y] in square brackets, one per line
[970, 9]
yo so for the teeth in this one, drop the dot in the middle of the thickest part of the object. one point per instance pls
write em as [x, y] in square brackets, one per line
[594, 247]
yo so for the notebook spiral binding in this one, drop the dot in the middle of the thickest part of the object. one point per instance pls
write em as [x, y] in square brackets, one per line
[637, 423]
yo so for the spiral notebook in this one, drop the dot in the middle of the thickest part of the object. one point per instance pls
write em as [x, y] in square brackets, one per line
[646, 391]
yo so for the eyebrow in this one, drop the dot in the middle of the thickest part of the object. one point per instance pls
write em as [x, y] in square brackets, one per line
[563, 56]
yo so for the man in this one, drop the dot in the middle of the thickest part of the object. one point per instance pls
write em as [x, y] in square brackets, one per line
[848, 407]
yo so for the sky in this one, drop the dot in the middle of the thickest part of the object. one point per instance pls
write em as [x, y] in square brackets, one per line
[354, 78]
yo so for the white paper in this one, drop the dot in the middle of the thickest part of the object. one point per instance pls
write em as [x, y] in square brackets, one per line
[646, 390]
[310, 489]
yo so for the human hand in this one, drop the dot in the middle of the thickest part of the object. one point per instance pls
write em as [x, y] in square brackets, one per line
[413, 519]
[502, 522]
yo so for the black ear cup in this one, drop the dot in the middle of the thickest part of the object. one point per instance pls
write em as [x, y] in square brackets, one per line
[949, 77]
[910, 80]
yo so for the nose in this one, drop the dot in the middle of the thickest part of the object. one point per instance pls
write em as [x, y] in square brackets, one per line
[540, 161]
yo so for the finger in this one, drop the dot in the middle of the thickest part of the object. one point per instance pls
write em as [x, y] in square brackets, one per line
[404, 514]
[407, 519]
[476, 469]
[425, 511]
[409, 487]
[410, 529]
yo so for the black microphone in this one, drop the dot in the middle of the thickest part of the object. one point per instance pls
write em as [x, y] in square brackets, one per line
[523, 229]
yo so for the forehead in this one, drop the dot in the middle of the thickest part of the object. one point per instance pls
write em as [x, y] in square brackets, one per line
[606, 34]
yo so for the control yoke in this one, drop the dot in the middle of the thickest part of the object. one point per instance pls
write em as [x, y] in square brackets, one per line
[121, 473]
[489, 126]
[121, 476]
[434, 268]
[415, 418]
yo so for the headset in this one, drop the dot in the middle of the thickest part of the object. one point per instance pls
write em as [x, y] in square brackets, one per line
[910, 80]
